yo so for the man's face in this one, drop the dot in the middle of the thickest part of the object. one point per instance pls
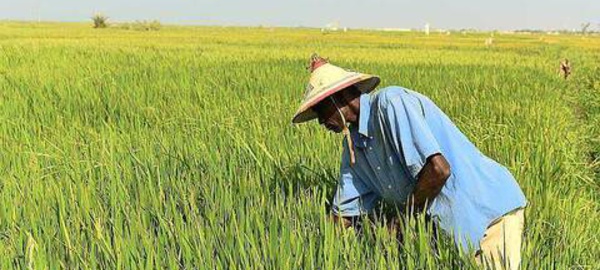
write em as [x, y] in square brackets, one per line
[329, 116]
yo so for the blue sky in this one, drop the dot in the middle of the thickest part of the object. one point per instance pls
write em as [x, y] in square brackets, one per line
[447, 14]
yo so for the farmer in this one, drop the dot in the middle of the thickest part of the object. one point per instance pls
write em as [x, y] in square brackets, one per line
[565, 68]
[400, 147]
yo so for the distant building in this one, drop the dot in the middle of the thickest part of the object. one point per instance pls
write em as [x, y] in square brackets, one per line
[395, 29]
[332, 27]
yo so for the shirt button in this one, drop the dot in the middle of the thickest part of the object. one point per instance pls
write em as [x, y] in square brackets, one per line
[370, 148]
[390, 186]
[379, 168]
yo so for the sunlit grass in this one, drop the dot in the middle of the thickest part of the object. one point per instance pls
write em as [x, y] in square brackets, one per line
[174, 149]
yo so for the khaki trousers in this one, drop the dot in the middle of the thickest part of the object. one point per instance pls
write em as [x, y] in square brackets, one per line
[501, 243]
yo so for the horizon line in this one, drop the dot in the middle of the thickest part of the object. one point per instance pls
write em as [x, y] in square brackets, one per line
[211, 23]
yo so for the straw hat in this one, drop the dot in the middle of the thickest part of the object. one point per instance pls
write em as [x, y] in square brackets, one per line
[326, 80]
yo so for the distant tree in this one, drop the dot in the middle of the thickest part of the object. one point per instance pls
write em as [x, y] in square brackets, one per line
[585, 27]
[100, 21]
[153, 25]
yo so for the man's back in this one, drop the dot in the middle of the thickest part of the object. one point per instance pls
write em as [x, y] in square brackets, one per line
[403, 128]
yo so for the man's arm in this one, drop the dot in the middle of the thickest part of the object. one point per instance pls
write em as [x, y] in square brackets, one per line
[430, 181]
[406, 118]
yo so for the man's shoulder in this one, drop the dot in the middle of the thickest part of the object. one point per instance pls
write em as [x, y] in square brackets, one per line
[394, 97]
[388, 94]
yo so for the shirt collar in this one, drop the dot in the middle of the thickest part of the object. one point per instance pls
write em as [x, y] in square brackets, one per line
[364, 114]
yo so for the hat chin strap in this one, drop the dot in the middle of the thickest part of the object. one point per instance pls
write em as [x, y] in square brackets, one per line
[346, 133]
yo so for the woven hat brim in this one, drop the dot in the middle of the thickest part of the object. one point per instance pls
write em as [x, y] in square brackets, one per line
[364, 82]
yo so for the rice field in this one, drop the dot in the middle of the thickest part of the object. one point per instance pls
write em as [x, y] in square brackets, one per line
[173, 149]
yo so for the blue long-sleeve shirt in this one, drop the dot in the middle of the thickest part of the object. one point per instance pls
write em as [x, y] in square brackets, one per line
[398, 130]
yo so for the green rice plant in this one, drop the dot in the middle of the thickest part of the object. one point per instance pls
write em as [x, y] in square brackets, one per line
[174, 149]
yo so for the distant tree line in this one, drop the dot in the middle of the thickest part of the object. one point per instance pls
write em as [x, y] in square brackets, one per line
[101, 21]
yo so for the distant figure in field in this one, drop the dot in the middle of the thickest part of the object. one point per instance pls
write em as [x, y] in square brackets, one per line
[565, 68]
[402, 148]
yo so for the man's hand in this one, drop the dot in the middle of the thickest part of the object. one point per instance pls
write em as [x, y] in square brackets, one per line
[346, 222]
[430, 181]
